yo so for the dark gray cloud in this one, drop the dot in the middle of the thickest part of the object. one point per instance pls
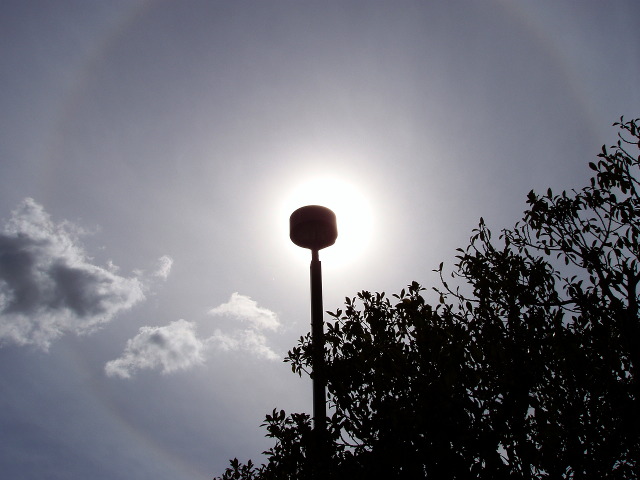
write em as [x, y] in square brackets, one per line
[48, 285]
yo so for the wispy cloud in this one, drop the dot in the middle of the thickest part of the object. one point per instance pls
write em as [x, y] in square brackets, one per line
[48, 285]
[250, 339]
[164, 267]
[171, 348]
[177, 346]
[247, 340]
[243, 308]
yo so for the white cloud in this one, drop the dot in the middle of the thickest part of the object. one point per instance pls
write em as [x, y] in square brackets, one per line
[243, 308]
[177, 346]
[248, 340]
[164, 267]
[48, 285]
[171, 348]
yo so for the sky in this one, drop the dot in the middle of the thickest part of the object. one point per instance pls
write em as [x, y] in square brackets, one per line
[152, 151]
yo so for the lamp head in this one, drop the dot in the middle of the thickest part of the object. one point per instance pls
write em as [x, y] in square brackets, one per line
[313, 227]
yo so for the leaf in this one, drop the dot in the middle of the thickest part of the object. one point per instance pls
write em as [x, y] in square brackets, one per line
[532, 357]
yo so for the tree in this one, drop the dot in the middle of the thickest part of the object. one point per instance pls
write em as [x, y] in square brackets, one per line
[527, 369]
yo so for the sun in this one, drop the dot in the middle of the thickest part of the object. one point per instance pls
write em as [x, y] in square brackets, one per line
[353, 213]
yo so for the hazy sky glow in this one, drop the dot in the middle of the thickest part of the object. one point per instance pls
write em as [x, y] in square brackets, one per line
[352, 207]
[152, 151]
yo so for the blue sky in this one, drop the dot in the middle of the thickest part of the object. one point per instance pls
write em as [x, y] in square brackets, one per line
[151, 152]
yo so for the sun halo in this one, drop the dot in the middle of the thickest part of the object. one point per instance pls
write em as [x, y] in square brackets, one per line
[353, 214]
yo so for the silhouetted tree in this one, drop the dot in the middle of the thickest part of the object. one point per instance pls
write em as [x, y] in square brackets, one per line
[527, 370]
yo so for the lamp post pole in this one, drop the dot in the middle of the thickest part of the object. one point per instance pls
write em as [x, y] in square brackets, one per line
[314, 227]
[317, 346]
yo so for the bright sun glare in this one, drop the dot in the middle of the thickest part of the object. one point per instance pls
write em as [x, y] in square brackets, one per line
[353, 214]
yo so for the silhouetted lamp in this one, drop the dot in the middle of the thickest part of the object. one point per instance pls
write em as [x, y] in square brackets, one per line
[314, 227]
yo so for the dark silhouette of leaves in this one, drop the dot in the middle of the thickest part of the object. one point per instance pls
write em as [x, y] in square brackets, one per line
[526, 370]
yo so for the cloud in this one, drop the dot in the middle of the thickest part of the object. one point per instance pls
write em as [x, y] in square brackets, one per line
[48, 285]
[177, 347]
[243, 308]
[164, 267]
[248, 340]
[172, 347]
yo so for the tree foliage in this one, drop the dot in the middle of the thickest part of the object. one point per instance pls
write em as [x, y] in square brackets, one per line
[527, 369]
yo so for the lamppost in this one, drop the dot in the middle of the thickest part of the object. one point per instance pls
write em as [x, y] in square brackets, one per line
[314, 227]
